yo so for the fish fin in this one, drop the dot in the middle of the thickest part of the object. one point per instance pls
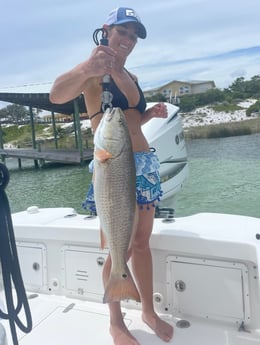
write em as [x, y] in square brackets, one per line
[119, 288]
[102, 155]
[103, 240]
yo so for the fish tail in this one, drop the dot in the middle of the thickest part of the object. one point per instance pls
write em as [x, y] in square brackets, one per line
[121, 288]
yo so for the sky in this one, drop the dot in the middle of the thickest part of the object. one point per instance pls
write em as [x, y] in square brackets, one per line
[186, 39]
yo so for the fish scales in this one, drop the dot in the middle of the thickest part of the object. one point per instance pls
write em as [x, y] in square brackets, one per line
[114, 188]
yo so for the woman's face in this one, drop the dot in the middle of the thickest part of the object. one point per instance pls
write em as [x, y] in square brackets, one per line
[122, 38]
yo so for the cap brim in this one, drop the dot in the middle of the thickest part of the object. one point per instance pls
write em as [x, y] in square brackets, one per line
[141, 31]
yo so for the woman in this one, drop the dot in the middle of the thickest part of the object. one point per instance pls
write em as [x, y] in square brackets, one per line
[124, 27]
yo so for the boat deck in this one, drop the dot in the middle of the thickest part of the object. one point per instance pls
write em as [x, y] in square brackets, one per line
[206, 279]
[59, 320]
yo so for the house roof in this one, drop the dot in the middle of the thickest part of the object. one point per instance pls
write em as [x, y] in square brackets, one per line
[190, 82]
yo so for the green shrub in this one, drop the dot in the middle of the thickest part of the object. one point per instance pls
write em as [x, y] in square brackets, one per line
[254, 108]
[226, 107]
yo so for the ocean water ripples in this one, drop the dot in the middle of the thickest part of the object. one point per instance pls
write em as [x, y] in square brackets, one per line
[224, 178]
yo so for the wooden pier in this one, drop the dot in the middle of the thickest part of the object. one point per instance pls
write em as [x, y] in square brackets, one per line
[57, 156]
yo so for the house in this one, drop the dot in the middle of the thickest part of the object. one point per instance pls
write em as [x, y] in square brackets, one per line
[178, 88]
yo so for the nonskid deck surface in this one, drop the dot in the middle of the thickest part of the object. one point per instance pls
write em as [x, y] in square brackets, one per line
[59, 320]
[205, 272]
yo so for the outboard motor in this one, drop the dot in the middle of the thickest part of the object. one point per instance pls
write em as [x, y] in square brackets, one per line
[166, 136]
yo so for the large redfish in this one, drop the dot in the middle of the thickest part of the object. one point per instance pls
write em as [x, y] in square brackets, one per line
[114, 191]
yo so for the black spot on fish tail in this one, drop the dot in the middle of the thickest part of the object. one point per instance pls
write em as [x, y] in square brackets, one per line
[121, 287]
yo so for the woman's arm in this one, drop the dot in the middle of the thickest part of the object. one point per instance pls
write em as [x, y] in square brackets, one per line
[71, 84]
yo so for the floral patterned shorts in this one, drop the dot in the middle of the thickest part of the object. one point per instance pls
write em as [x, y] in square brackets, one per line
[148, 186]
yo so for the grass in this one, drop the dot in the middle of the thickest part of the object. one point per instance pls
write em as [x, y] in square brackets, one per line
[245, 127]
[21, 136]
[14, 132]
[227, 108]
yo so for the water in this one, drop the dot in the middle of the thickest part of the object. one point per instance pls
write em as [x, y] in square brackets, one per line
[53, 187]
[224, 177]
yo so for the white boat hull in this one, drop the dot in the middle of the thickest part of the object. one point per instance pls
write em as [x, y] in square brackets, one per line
[206, 279]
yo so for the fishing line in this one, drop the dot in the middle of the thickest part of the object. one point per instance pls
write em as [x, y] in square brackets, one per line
[10, 266]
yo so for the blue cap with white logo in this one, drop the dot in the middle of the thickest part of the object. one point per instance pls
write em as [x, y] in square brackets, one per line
[123, 15]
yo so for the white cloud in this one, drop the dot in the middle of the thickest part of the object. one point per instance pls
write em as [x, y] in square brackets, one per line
[187, 39]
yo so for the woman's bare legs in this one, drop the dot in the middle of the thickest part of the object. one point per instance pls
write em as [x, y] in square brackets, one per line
[143, 271]
[141, 259]
[118, 329]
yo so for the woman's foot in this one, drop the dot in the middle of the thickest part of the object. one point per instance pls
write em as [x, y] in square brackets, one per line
[122, 336]
[161, 328]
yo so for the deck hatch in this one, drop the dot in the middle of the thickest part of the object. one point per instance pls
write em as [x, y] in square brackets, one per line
[208, 288]
[32, 260]
[82, 271]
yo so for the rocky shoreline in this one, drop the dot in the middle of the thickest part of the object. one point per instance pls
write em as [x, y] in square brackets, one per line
[207, 116]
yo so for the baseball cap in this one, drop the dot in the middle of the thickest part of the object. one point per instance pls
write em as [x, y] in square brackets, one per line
[123, 15]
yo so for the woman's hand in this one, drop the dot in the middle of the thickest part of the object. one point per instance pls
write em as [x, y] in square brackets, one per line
[158, 110]
[101, 61]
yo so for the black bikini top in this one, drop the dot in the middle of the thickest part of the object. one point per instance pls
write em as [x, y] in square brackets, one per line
[119, 99]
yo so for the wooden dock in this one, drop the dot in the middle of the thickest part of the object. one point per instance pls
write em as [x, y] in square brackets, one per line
[57, 156]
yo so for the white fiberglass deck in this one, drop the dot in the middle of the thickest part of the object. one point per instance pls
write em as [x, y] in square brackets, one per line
[206, 277]
[59, 320]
